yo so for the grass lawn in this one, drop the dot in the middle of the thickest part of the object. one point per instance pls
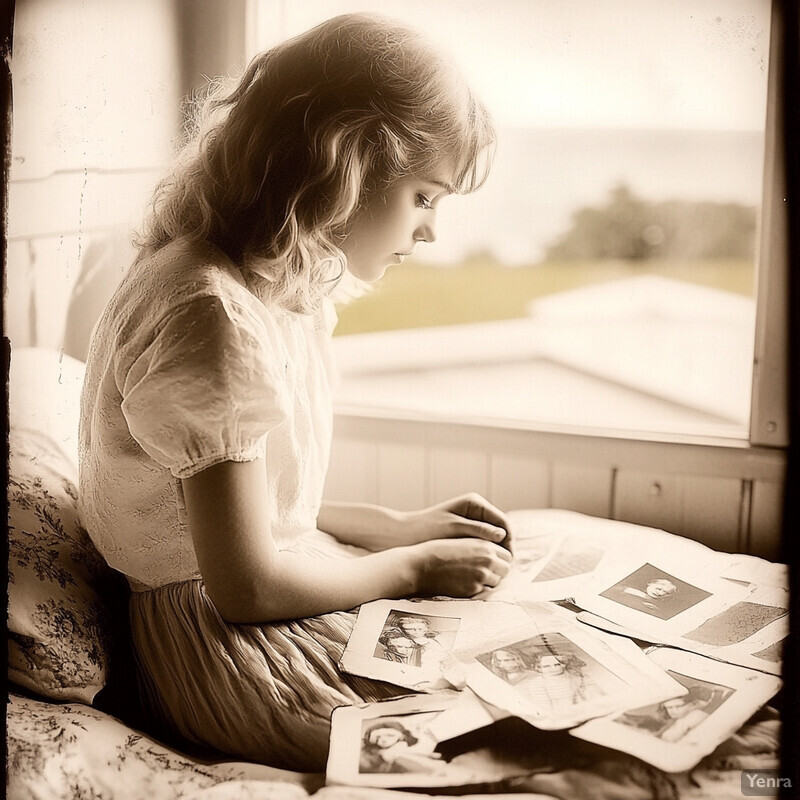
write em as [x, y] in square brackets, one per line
[417, 295]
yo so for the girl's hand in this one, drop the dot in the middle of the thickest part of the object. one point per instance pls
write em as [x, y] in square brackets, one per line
[469, 515]
[459, 567]
[378, 528]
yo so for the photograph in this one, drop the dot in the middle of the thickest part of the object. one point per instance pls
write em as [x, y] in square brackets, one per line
[393, 743]
[655, 592]
[675, 733]
[739, 622]
[773, 653]
[551, 672]
[672, 719]
[746, 632]
[389, 745]
[660, 596]
[574, 556]
[557, 673]
[419, 640]
[552, 567]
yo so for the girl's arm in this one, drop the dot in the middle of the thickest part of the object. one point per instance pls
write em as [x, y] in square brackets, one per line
[249, 580]
[378, 528]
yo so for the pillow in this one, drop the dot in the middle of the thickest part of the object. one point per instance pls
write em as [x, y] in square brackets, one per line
[59, 627]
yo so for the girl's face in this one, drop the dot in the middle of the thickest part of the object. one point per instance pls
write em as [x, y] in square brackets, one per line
[551, 665]
[401, 645]
[677, 708]
[388, 226]
[416, 629]
[661, 587]
[385, 737]
[508, 662]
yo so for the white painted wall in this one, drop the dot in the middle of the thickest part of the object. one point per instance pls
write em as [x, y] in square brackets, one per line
[95, 110]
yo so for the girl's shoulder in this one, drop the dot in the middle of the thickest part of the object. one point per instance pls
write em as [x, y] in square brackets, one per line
[183, 270]
[182, 283]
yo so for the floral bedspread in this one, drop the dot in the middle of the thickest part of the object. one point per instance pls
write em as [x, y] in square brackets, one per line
[75, 752]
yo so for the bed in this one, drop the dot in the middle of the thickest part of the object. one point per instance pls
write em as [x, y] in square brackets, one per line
[72, 731]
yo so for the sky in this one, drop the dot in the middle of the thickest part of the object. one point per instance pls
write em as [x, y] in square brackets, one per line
[685, 64]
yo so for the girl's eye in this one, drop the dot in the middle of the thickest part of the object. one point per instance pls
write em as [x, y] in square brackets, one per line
[424, 202]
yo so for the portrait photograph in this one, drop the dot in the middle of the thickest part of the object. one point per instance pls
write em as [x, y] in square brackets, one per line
[398, 744]
[676, 732]
[655, 592]
[558, 675]
[672, 719]
[551, 672]
[421, 640]
[660, 597]
[393, 743]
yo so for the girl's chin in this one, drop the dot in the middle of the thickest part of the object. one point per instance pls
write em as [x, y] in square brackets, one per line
[371, 275]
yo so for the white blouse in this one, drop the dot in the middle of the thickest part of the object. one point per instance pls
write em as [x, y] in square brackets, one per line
[189, 367]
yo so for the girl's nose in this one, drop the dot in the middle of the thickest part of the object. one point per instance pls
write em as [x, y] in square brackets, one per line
[426, 232]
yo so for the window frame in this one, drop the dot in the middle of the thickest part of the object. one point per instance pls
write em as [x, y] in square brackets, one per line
[769, 412]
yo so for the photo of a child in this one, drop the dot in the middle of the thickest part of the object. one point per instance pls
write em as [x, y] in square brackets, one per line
[655, 592]
[389, 745]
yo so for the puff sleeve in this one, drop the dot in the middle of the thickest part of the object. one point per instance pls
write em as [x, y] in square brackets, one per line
[207, 388]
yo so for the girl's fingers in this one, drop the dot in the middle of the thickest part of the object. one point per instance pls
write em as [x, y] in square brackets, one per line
[480, 508]
[459, 527]
[476, 509]
[497, 573]
[479, 530]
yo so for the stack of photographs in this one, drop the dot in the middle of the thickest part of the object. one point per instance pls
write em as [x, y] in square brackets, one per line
[410, 643]
[662, 656]
[725, 619]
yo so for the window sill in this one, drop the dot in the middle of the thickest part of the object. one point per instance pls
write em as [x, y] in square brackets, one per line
[587, 360]
[670, 453]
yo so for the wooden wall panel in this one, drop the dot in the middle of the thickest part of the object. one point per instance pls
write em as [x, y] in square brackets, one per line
[456, 470]
[353, 472]
[519, 482]
[727, 497]
[711, 511]
[402, 476]
[648, 499]
[580, 488]
[766, 520]
[706, 508]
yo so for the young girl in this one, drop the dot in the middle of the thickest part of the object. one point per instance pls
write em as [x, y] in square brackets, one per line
[206, 413]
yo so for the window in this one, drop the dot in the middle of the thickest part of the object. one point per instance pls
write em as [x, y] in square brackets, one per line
[605, 277]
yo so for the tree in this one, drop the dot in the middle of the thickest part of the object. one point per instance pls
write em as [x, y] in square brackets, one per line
[631, 228]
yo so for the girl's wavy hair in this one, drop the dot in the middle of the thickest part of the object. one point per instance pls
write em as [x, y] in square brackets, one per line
[277, 166]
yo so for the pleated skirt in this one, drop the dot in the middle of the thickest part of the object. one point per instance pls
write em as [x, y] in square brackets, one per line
[262, 693]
